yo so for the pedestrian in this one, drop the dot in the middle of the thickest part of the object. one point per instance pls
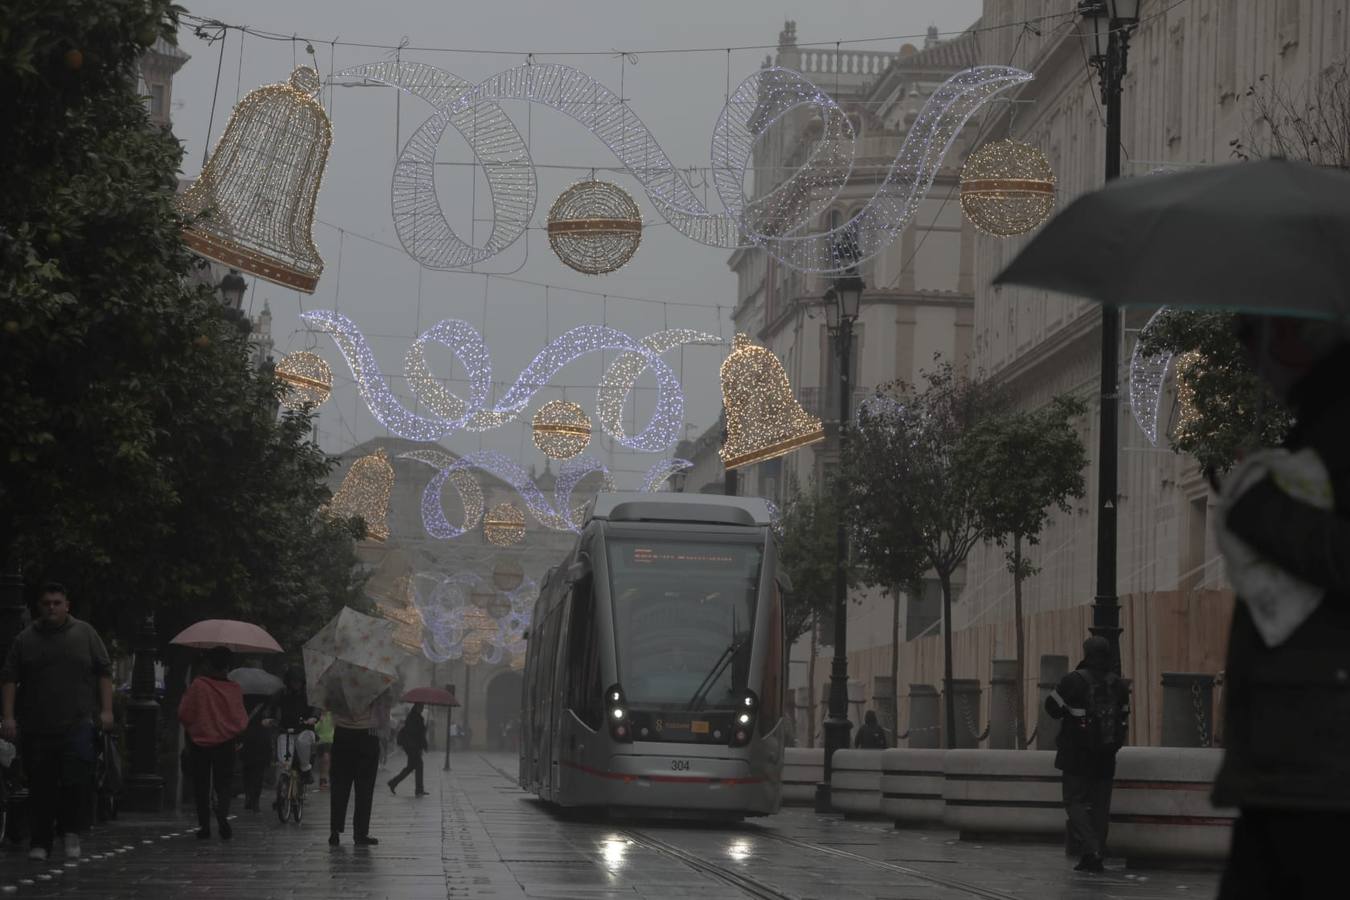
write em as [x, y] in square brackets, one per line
[1286, 759]
[356, 765]
[294, 719]
[1094, 706]
[212, 713]
[255, 752]
[323, 747]
[56, 688]
[871, 736]
[412, 737]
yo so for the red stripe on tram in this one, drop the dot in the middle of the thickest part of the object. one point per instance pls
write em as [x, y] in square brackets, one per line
[658, 779]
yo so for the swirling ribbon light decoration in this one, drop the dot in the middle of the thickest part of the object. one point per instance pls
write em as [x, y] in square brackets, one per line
[558, 514]
[777, 221]
[1148, 374]
[448, 413]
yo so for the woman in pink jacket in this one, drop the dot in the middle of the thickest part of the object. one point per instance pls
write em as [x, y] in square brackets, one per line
[212, 713]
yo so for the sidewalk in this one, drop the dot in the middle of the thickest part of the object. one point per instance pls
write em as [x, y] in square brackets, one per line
[478, 835]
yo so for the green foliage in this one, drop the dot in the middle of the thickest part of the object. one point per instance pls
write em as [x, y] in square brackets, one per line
[141, 457]
[1031, 462]
[807, 553]
[1232, 408]
[910, 496]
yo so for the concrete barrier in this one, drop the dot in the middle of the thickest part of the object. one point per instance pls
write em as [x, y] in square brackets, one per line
[1002, 793]
[911, 786]
[1160, 808]
[803, 769]
[855, 783]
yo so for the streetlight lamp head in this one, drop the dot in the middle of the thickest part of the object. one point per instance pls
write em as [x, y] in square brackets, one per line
[232, 288]
[850, 291]
[1097, 16]
[831, 303]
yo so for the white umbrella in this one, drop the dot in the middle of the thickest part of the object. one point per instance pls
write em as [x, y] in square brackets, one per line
[350, 662]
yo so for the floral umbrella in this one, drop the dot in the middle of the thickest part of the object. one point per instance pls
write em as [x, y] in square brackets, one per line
[350, 662]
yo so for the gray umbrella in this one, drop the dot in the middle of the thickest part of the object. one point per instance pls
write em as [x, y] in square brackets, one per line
[256, 681]
[1264, 237]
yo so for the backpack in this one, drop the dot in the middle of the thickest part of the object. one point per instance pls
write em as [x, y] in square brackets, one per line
[1104, 724]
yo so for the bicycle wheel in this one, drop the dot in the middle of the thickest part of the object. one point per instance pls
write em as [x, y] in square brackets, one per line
[283, 805]
[298, 809]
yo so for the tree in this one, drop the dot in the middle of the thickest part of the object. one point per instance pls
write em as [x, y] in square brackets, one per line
[1031, 462]
[908, 488]
[141, 456]
[807, 554]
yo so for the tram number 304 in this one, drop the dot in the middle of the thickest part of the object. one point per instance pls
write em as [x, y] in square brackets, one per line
[679, 765]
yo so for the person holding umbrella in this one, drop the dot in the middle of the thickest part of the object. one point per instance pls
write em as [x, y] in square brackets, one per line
[255, 748]
[212, 713]
[412, 737]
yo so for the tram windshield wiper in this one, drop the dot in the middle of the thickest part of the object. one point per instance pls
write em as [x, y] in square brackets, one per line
[700, 695]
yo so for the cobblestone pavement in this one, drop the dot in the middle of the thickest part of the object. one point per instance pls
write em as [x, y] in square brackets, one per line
[478, 835]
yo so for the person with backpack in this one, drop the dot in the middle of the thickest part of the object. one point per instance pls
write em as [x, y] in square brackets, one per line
[412, 737]
[871, 736]
[1093, 705]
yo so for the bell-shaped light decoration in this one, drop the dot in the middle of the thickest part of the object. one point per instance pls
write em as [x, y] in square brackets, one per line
[764, 419]
[252, 207]
[365, 493]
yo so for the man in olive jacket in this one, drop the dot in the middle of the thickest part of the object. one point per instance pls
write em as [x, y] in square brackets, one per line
[1287, 734]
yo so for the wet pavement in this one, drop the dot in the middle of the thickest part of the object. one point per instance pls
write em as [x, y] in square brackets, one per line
[479, 835]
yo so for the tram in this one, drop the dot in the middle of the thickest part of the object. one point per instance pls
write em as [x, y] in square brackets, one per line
[656, 666]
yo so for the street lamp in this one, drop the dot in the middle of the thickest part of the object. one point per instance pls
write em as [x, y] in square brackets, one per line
[842, 303]
[1110, 22]
[232, 288]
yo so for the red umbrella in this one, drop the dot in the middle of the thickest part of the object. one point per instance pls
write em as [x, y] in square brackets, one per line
[430, 696]
[241, 637]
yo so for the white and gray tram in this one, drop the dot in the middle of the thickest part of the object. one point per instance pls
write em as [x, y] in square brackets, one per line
[656, 667]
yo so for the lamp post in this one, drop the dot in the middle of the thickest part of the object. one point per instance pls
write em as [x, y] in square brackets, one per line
[232, 289]
[449, 732]
[1110, 23]
[842, 303]
[144, 784]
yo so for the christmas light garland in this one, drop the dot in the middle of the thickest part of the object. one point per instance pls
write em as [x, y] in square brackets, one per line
[1148, 375]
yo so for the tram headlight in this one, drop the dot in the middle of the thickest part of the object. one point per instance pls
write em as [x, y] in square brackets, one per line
[745, 719]
[618, 715]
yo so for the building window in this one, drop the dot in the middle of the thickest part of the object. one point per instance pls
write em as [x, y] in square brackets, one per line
[1227, 50]
[1289, 23]
[157, 100]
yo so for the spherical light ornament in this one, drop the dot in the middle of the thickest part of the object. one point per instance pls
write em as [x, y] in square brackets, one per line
[309, 381]
[561, 429]
[594, 227]
[507, 575]
[504, 525]
[499, 607]
[1007, 188]
[481, 599]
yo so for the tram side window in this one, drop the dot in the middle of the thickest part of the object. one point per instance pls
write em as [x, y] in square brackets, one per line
[583, 658]
[771, 703]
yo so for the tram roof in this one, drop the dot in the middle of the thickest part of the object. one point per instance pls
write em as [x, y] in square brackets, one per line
[631, 506]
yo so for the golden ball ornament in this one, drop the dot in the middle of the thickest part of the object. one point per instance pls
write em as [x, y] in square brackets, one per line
[504, 525]
[561, 429]
[507, 575]
[1007, 188]
[499, 606]
[594, 227]
[308, 379]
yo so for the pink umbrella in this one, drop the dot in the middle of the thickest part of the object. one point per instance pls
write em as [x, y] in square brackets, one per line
[241, 637]
[430, 696]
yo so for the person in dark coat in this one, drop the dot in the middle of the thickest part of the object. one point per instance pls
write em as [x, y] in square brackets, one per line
[1287, 697]
[1093, 706]
[294, 718]
[413, 739]
[255, 751]
[871, 736]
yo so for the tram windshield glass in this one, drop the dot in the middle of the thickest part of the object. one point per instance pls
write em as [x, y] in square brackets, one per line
[684, 614]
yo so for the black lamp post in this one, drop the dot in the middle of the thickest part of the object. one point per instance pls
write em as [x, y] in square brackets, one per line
[449, 731]
[1110, 23]
[232, 289]
[842, 303]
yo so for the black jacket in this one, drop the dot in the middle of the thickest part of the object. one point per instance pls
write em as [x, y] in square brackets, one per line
[871, 736]
[413, 736]
[290, 709]
[1068, 703]
[1287, 708]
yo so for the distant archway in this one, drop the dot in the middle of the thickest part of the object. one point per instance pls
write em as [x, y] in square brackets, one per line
[503, 707]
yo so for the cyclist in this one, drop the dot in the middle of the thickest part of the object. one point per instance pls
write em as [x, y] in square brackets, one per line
[290, 712]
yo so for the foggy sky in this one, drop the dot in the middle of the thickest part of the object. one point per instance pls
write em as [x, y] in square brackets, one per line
[677, 95]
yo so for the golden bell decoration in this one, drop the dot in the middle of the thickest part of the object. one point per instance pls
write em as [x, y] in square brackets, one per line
[1188, 366]
[594, 227]
[764, 419]
[561, 429]
[504, 525]
[365, 493]
[507, 575]
[1007, 188]
[252, 207]
[309, 381]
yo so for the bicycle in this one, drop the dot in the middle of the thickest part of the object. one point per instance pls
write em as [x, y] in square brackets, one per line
[290, 803]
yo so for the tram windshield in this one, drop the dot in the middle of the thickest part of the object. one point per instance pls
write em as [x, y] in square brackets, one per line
[684, 615]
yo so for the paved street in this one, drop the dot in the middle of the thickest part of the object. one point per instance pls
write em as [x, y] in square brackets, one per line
[478, 835]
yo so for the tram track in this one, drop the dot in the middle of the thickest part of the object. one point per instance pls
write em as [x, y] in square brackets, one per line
[746, 884]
